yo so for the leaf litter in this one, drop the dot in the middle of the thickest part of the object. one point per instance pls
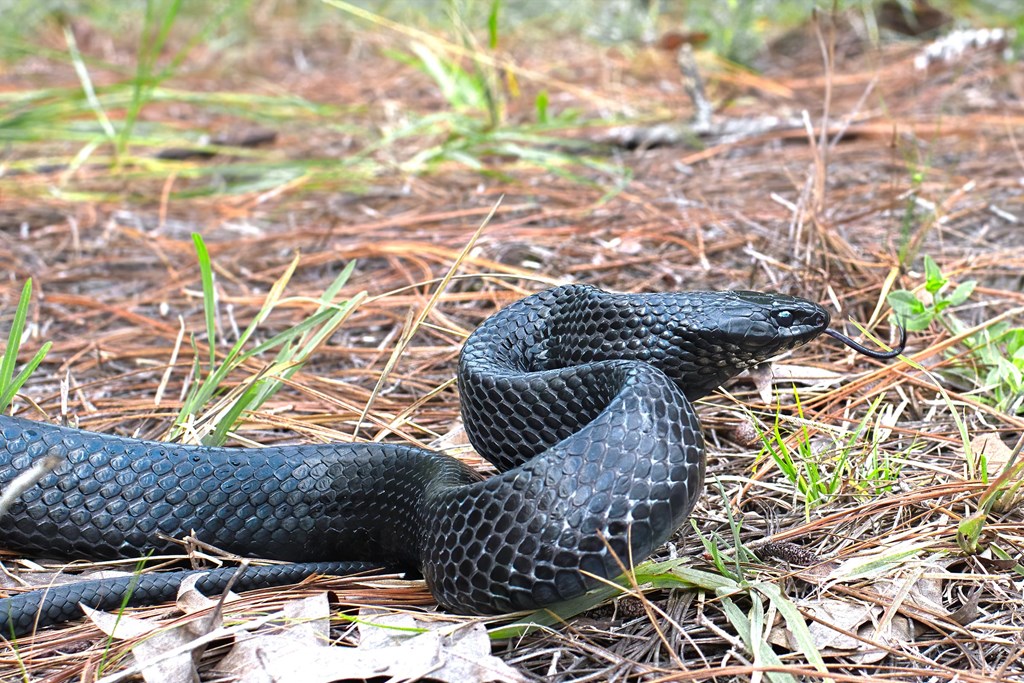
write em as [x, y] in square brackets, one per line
[294, 645]
[914, 162]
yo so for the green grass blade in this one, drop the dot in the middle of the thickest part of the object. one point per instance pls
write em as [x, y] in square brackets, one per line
[10, 385]
[82, 72]
[293, 345]
[796, 624]
[150, 48]
[14, 387]
[755, 642]
[14, 335]
[209, 294]
[230, 417]
[492, 24]
[669, 574]
[292, 357]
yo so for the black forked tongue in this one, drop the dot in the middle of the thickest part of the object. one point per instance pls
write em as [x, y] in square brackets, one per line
[872, 353]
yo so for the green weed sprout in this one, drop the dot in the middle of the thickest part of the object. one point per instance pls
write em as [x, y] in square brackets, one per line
[995, 354]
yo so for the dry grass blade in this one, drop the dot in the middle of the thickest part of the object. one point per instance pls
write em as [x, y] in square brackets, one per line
[410, 330]
[897, 162]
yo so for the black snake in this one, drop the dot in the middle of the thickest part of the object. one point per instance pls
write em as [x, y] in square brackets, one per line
[579, 397]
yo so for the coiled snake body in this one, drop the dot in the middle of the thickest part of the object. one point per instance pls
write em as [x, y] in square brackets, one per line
[579, 397]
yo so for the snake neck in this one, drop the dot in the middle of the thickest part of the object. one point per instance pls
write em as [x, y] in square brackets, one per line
[545, 366]
[699, 340]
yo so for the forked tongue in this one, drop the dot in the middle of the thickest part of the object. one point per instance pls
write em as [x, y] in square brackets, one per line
[872, 353]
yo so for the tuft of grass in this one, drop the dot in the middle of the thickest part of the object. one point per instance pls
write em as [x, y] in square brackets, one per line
[753, 625]
[100, 124]
[9, 383]
[852, 464]
[815, 480]
[156, 29]
[475, 85]
[713, 545]
[212, 423]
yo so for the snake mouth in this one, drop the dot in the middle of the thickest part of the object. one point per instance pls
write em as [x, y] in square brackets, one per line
[872, 353]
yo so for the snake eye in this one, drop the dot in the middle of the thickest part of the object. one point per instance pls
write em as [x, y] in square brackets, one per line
[783, 318]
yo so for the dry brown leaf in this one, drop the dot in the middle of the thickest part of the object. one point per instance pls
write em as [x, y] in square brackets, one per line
[926, 591]
[876, 625]
[762, 378]
[397, 647]
[885, 560]
[833, 620]
[190, 600]
[166, 654]
[151, 653]
[120, 626]
[793, 372]
[308, 620]
[766, 375]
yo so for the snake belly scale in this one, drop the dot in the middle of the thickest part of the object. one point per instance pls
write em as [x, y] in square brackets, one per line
[579, 397]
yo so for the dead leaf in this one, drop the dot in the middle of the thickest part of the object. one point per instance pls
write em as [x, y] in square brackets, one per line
[148, 653]
[309, 620]
[865, 631]
[969, 611]
[792, 372]
[882, 561]
[766, 375]
[379, 628]
[833, 621]
[190, 600]
[762, 378]
[119, 626]
[165, 654]
[398, 647]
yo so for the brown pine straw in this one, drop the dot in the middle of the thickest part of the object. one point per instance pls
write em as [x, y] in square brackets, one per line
[836, 211]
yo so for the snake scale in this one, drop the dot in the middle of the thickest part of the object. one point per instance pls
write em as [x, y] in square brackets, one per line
[580, 398]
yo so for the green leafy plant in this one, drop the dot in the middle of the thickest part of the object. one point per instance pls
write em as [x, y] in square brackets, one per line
[9, 384]
[294, 346]
[994, 361]
[918, 311]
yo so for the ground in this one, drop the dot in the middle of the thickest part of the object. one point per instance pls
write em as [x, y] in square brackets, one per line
[871, 501]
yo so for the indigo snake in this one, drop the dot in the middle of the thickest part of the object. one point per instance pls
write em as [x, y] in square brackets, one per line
[580, 398]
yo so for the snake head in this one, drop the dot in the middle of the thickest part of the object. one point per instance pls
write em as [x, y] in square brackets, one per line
[717, 335]
[754, 326]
